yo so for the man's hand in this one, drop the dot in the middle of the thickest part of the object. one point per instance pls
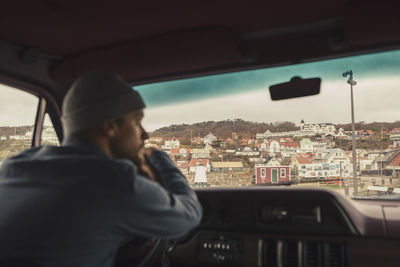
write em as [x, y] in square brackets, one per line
[145, 168]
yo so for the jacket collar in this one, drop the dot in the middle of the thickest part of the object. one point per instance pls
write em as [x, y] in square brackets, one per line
[88, 146]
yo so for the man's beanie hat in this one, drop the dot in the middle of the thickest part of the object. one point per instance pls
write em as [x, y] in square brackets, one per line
[97, 97]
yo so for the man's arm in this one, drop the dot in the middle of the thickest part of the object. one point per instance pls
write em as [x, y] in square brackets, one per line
[165, 211]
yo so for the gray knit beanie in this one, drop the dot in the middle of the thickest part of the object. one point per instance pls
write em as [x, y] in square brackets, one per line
[96, 97]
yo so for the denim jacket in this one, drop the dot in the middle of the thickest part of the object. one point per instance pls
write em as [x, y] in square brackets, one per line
[73, 205]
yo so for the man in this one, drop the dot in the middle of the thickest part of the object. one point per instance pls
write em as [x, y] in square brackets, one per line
[75, 204]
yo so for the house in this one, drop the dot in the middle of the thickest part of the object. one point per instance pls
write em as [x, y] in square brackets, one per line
[395, 139]
[394, 164]
[155, 139]
[257, 160]
[396, 131]
[197, 140]
[337, 155]
[315, 170]
[386, 158]
[209, 139]
[306, 145]
[298, 159]
[320, 154]
[199, 162]
[394, 159]
[247, 151]
[320, 145]
[273, 162]
[365, 133]
[183, 166]
[274, 146]
[328, 162]
[247, 141]
[264, 146]
[289, 148]
[222, 166]
[200, 178]
[184, 152]
[173, 143]
[263, 135]
[200, 153]
[48, 135]
[365, 164]
[341, 134]
[318, 128]
[235, 136]
[272, 174]
[3, 137]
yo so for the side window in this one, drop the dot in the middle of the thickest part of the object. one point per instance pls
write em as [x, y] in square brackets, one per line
[283, 173]
[49, 136]
[17, 117]
[263, 173]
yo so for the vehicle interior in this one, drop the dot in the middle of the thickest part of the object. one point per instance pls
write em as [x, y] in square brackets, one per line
[213, 63]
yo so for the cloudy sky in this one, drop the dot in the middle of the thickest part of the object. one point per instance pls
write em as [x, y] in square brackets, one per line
[245, 95]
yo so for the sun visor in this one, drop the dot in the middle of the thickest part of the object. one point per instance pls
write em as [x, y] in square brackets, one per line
[372, 23]
[158, 56]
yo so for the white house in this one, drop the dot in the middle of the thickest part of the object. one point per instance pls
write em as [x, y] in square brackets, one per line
[273, 162]
[325, 170]
[198, 153]
[306, 145]
[341, 133]
[168, 144]
[200, 176]
[274, 146]
[318, 128]
[49, 135]
[199, 162]
[209, 139]
[247, 151]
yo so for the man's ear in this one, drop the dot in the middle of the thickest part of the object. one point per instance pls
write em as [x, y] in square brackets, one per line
[109, 128]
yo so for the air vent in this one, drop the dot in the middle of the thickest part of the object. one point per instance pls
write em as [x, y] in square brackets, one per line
[312, 254]
[268, 253]
[290, 253]
[336, 255]
[298, 253]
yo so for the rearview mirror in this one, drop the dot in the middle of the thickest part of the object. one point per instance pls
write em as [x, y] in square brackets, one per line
[296, 87]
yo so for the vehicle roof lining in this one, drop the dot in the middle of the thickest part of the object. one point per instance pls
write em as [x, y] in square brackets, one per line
[61, 28]
[176, 40]
[197, 49]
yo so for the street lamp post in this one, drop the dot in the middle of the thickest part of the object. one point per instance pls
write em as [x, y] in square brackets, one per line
[353, 135]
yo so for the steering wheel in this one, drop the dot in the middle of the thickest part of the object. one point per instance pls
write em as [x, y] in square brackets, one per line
[142, 252]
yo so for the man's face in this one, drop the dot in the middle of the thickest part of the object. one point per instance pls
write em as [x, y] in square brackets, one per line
[128, 142]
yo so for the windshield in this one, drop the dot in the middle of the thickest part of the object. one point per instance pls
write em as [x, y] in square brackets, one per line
[224, 130]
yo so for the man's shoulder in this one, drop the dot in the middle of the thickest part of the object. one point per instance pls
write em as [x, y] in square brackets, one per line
[67, 161]
[61, 156]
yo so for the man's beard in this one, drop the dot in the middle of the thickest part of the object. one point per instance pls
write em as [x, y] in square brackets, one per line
[137, 157]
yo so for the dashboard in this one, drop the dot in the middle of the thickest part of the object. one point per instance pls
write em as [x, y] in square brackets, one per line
[281, 226]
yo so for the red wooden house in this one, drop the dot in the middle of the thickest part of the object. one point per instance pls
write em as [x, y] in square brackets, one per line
[272, 174]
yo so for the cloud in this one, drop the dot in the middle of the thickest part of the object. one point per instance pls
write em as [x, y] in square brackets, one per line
[17, 107]
[376, 99]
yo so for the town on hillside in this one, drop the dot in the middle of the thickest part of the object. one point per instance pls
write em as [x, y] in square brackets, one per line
[16, 139]
[316, 154]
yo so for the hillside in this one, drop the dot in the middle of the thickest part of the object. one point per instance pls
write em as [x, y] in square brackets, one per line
[248, 129]
[223, 129]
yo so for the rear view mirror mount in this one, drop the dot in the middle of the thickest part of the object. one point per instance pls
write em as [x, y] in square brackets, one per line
[296, 87]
